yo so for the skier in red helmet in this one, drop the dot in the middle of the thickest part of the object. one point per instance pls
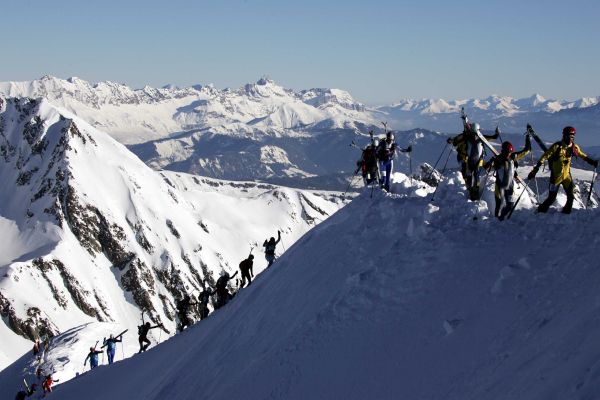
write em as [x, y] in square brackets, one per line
[505, 166]
[559, 157]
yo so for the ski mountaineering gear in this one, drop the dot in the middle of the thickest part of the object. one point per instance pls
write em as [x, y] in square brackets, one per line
[143, 335]
[203, 299]
[386, 151]
[47, 384]
[28, 392]
[246, 270]
[183, 308]
[559, 157]
[470, 148]
[111, 347]
[93, 357]
[368, 164]
[505, 167]
[270, 248]
[223, 295]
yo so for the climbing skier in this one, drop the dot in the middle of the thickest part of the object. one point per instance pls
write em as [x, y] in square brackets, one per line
[269, 246]
[28, 392]
[469, 149]
[505, 168]
[246, 270]
[223, 295]
[47, 384]
[386, 151]
[368, 163]
[93, 356]
[183, 307]
[203, 299]
[559, 159]
[111, 347]
[143, 335]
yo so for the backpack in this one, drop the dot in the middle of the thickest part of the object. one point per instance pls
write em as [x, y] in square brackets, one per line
[369, 160]
[140, 329]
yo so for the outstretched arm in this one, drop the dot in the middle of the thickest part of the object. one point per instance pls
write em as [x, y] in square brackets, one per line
[278, 237]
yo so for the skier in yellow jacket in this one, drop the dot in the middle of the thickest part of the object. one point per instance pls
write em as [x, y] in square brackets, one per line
[559, 159]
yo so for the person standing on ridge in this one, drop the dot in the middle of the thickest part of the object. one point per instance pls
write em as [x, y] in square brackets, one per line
[203, 299]
[469, 150]
[505, 166]
[386, 152]
[47, 384]
[223, 295]
[246, 270]
[143, 335]
[559, 157]
[269, 246]
[93, 356]
[111, 347]
[183, 307]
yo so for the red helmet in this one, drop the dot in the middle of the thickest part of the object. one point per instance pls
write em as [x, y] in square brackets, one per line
[507, 147]
[568, 130]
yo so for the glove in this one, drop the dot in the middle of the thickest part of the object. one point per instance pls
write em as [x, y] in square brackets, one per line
[450, 140]
[408, 149]
[594, 163]
[533, 172]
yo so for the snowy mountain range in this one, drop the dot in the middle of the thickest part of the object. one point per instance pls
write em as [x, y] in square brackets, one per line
[92, 234]
[394, 296]
[265, 132]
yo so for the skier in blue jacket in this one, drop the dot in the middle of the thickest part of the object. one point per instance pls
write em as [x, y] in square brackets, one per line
[111, 347]
[93, 356]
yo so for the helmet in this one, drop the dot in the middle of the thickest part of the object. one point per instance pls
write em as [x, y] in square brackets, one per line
[251, 257]
[507, 147]
[475, 127]
[389, 135]
[568, 130]
[91, 349]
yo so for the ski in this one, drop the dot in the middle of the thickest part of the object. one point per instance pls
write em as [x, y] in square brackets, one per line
[116, 337]
[537, 139]
[496, 153]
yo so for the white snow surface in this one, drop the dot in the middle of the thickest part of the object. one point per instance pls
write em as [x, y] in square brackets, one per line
[395, 296]
[192, 227]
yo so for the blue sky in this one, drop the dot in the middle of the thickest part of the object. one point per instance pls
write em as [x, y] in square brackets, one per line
[378, 50]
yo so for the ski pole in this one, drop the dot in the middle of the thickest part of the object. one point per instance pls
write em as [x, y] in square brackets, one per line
[442, 173]
[515, 205]
[438, 160]
[537, 189]
[589, 197]
[349, 184]
[410, 166]
[282, 245]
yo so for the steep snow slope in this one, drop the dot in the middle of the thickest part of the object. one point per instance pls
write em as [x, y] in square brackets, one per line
[395, 296]
[94, 235]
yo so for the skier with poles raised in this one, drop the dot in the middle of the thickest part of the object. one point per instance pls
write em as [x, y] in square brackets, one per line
[269, 246]
[368, 162]
[505, 168]
[559, 157]
[93, 357]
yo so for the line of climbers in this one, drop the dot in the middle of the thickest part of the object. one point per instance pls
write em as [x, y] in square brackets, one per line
[377, 160]
[222, 295]
[470, 150]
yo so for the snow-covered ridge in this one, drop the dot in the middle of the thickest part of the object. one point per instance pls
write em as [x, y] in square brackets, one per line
[404, 284]
[93, 234]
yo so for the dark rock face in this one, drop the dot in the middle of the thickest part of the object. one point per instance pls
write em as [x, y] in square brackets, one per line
[33, 327]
